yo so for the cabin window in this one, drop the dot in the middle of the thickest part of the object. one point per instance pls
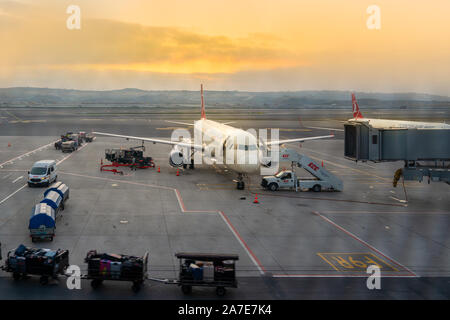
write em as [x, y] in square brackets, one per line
[247, 147]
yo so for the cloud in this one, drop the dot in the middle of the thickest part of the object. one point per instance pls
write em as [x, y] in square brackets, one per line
[289, 46]
[37, 38]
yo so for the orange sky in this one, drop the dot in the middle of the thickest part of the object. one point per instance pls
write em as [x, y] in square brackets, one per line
[228, 45]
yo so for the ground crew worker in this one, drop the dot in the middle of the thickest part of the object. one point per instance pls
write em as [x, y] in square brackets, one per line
[133, 164]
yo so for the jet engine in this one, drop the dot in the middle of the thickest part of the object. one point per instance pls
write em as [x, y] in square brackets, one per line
[176, 157]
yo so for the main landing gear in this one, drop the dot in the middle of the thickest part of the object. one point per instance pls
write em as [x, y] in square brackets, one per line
[191, 165]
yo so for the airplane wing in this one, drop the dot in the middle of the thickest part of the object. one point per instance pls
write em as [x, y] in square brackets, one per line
[179, 122]
[322, 128]
[271, 143]
[173, 143]
[191, 124]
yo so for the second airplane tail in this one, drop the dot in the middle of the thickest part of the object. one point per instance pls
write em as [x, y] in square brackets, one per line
[356, 113]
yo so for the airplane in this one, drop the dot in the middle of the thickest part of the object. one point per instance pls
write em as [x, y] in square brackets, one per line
[358, 117]
[234, 143]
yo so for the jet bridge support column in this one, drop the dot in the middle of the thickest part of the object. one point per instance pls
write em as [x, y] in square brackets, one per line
[417, 171]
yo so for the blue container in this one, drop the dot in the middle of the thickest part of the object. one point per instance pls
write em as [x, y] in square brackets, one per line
[53, 187]
[60, 188]
[42, 215]
[53, 199]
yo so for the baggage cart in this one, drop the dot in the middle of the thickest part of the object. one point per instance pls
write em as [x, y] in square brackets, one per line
[207, 270]
[116, 267]
[46, 263]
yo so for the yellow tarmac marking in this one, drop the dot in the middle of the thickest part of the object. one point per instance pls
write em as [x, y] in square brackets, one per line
[218, 186]
[27, 121]
[355, 261]
[320, 255]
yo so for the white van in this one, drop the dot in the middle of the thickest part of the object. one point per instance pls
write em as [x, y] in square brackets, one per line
[43, 172]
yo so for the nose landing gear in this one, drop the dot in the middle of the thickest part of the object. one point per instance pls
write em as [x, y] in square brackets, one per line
[240, 184]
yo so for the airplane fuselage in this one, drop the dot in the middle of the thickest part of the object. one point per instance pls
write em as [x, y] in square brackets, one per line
[239, 148]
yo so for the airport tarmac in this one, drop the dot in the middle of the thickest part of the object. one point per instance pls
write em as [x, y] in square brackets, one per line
[292, 245]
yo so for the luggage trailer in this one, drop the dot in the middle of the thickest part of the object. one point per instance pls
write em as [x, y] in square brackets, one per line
[116, 267]
[211, 270]
[196, 269]
[24, 261]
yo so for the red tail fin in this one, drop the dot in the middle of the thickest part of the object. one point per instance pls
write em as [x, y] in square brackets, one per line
[356, 113]
[203, 103]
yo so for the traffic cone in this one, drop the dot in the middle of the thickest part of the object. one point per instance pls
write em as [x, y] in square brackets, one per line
[159, 170]
[256, 199]
[9, 144]
[178, 172]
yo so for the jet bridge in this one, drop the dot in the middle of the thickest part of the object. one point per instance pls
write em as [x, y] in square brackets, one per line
[425, 152]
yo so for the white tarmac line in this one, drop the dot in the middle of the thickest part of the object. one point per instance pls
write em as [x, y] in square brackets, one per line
[4, 200]
[251, 255]
[13, 193]
[11, 161]
[17, 179]
[183, 209]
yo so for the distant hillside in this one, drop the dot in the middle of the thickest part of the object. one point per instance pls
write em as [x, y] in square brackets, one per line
[233, 99]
